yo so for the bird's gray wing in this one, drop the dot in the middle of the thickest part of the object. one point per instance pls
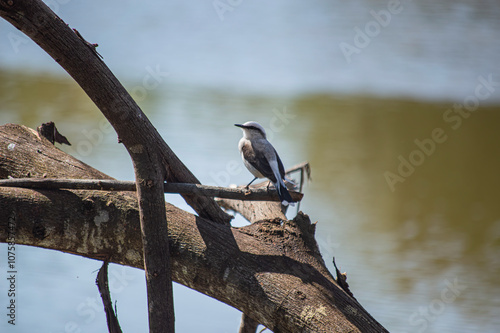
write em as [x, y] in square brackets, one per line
[280, 165]
[258, 162]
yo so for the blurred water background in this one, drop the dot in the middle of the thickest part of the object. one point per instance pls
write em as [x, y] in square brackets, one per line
[395, 104]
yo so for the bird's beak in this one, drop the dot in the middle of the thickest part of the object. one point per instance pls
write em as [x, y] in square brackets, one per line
[239, 125]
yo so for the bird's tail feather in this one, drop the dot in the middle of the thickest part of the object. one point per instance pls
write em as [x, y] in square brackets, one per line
[283, 193]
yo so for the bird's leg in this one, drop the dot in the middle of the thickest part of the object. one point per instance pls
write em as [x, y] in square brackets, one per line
[251, 182]
[268, 184]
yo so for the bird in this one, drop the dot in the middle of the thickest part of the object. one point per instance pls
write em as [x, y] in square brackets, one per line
[261, 159]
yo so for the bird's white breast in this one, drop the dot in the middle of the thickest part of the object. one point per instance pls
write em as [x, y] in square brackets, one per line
[250, 167]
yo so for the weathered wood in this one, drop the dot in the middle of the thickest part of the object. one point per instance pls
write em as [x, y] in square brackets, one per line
[248, 325]
[270, 270]
[255, 211]
[103, 287]
[49, 131]
[240, 193]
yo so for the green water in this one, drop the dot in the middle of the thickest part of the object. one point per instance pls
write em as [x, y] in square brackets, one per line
[422, 250]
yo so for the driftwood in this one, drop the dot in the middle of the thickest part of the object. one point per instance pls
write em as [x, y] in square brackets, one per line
[271, 270]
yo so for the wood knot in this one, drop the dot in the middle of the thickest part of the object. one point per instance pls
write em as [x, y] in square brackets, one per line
[10, 3]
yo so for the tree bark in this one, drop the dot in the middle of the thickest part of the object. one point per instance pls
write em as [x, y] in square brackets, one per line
[255, 211]
[270, 270]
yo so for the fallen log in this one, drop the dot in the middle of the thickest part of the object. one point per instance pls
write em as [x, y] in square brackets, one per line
[271, 270]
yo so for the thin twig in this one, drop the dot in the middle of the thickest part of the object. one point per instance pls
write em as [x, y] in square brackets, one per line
[299, 167]
[241, 193]
[303, 167]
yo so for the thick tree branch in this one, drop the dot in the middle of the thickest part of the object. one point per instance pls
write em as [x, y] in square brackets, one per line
[265, 270]
[240, 193]
[270, 270]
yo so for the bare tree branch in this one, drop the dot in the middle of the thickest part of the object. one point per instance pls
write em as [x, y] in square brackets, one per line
[102, 285]
[240, 193]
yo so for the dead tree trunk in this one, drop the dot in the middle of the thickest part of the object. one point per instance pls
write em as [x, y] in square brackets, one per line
[270, 270]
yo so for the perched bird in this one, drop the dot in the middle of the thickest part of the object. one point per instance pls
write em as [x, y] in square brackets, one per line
[261, 159]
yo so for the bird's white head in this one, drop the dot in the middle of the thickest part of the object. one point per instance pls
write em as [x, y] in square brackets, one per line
[252, 130]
